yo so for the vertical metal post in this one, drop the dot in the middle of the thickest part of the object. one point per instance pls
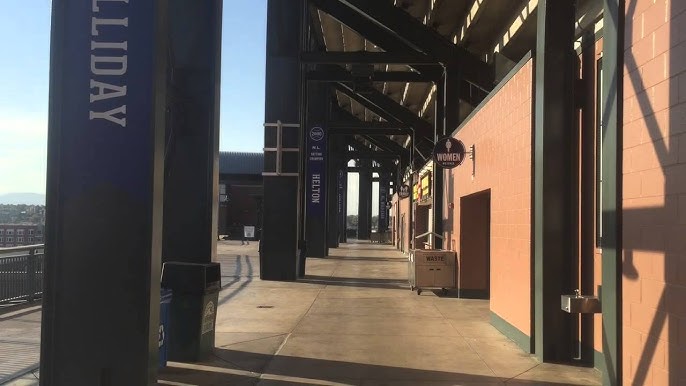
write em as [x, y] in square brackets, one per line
[283, 87]
[438, 173]
[191, 186]
[553, 169]
[364, 212]
[611, 143]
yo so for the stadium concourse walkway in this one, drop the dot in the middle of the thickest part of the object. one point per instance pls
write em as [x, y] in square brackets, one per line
[354, 321]
[351, 321]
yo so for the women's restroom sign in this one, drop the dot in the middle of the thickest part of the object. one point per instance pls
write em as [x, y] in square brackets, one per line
[449, 152]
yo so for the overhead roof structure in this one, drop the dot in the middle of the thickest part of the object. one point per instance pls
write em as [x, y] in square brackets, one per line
[386, 58]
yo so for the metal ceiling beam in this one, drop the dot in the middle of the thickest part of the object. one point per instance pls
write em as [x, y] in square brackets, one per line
[346, 90]
[364, 57]
[385, 106]
[387, 144]
[368, 131]
[470, 18]
[335, 75]
[409, 29]
[358, 124]
[521, 16]
[375, 155]
[378, 35]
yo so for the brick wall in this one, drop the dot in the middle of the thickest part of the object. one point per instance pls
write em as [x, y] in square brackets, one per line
[501, 132]
[654, 194]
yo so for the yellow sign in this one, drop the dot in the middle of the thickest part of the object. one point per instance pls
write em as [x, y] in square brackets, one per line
[426, 185]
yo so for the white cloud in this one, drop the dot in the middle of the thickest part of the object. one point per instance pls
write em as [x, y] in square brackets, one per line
[23, 152]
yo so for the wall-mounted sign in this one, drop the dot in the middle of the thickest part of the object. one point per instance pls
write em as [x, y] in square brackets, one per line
[316, 168]
[449, 152]
[317, 134]
[425, 187]
[404, 191]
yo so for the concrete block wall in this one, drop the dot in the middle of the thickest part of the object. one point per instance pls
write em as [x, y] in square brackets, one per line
[501, 131]
[654, 194]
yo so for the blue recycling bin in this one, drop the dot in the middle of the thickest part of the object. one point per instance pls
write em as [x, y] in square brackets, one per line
[165, 304]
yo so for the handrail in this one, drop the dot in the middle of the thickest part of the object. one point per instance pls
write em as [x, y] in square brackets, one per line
[20, 248]
[21, 273]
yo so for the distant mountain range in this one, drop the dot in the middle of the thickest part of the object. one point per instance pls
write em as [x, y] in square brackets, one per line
[22, 198]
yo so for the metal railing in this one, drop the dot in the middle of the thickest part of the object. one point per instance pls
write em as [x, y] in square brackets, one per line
[21, 273]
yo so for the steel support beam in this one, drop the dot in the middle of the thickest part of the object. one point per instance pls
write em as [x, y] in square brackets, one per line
[554, 213]
[415, 33]
[335, 75]
[279, 244]
[369, 131]
[380, 36]
[355, 123]
[387, 107]
[366, 57]
[438, 172]
[364, 211]
[343, 208]
[191, 169]
[611, 144]
[388, 145]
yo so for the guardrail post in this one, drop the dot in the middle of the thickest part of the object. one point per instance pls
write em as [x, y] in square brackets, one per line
[31, 274]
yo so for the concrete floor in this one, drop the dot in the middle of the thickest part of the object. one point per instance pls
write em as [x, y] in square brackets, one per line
[354, 321]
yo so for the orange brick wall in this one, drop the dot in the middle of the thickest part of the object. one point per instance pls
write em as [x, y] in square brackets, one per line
[654, 194]
[502, 132]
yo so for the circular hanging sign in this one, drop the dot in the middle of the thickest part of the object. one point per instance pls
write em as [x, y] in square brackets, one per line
[449, 152]
[317, 133]
[404, 191]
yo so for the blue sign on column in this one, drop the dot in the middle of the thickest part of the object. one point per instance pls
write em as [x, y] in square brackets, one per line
[316, 169]
[106, 100]
[341, 193]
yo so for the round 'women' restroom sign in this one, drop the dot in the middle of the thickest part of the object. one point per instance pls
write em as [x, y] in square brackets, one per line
[449, 152]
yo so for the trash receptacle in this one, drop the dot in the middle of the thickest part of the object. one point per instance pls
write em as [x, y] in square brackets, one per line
[165, 300]
[193, 310]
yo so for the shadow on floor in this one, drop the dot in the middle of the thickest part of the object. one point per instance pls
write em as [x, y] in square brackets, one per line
[354, 282]
[254, 368]
[369, 259]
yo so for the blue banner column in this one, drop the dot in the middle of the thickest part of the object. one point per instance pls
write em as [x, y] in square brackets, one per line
[383, 201]
[191, 181]
[316, 162]
[101, 301]
[279, 243]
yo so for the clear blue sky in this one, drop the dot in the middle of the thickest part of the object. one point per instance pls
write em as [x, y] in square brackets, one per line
[24, 66]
